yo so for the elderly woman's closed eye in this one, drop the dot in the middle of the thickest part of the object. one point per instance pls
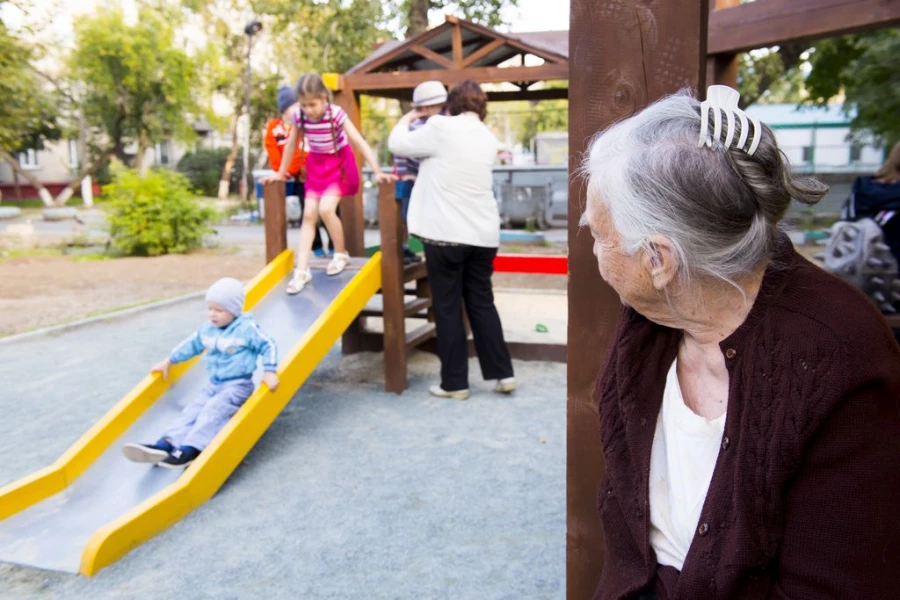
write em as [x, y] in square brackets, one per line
[748, 394]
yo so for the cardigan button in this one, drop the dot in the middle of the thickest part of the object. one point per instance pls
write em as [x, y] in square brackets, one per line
[703, 529]
[725, 443]
[730, 353]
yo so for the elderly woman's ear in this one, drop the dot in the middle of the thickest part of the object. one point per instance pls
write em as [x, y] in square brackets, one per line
[660, 262]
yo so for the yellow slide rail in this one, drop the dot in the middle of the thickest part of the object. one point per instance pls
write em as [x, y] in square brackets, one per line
[51, 480]
[227, 450]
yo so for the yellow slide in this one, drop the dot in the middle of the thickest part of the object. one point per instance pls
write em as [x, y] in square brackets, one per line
[92, 506]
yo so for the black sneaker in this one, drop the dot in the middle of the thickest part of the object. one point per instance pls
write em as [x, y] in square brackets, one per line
[147, 453]
[180, 458]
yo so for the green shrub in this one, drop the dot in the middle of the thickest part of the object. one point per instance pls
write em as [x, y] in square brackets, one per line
[155, 213]
[204, 169]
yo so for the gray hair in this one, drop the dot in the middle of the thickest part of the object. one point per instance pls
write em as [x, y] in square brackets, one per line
[719, 207]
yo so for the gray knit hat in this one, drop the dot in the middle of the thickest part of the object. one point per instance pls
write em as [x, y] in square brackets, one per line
[228, 293]
[286, 98]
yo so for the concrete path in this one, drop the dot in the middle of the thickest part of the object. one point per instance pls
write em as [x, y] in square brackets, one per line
[353, 493]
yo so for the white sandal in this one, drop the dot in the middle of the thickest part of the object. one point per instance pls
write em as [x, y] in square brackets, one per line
[338, 263]
[298, 281]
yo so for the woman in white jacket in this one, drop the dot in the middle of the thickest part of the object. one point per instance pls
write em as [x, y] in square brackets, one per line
[454, 212]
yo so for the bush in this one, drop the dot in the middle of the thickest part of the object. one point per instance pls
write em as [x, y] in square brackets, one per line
[204, 169]
[155, 213]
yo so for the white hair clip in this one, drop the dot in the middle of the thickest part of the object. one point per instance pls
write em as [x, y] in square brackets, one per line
[719, 99]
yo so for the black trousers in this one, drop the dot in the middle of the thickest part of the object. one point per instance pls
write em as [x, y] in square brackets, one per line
[458, 273]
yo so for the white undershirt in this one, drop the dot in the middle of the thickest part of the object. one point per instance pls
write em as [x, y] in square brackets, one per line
[685, 449]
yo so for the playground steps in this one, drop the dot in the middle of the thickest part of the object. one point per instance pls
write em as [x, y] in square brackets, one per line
[417, 305]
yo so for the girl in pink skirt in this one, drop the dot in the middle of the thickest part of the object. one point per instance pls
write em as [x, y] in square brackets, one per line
[331, 171]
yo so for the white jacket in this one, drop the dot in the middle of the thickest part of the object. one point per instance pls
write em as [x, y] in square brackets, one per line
[453, 198]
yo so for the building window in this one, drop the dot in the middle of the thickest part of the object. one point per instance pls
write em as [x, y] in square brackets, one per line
[73, 154]
[808, 154]
[28, 159]
[855, 153]
[162, 153]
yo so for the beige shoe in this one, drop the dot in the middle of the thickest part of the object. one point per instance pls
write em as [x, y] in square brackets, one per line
[338, 263]
[505, 386]
[440, 392]
[298, 281]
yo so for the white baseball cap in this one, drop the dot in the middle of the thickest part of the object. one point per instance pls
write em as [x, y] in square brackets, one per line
[429, 93]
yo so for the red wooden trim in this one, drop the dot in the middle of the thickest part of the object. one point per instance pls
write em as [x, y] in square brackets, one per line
[538, 264]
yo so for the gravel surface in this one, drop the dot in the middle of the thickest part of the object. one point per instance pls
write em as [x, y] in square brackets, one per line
[351, 493]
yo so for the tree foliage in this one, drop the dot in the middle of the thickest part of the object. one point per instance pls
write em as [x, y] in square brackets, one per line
[27, 113]
[155, 213]
[136, 84]
[864, 68]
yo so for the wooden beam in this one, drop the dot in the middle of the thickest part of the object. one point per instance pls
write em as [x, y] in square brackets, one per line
[397, 51]
[534, 95]
[457, 45]
[767, 23]
[352, 206]
[482, 52]
[352, 215]
[431, 55]
[630, 52]
[722, 69]
[393, 309]
[370, 82]
[276, 219]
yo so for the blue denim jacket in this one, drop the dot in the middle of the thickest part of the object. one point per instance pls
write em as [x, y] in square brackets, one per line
[232, 352]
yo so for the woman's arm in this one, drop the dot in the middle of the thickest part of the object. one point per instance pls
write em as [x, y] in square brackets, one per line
[421, 143]
[365, 149]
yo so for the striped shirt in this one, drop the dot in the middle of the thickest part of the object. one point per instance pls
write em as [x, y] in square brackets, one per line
[403, 165]
[325, 136]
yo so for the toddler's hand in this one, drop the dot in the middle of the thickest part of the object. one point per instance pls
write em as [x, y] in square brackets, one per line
[383, 177]
[163, 368]
[270, 379]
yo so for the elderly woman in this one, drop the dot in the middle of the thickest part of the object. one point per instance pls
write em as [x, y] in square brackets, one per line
[749, 406]
[454, 212]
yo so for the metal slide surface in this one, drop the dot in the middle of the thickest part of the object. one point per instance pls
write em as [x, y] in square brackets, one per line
[53, 533]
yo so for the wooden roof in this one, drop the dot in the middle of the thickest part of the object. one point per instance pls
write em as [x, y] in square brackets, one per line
[459, 49]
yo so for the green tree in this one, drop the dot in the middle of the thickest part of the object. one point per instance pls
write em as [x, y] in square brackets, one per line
[28, 115]
[863, 67]
[771, 75]
[135, 83]
[484, 12]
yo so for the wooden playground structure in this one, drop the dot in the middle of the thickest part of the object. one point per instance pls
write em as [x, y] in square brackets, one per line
[626, 54]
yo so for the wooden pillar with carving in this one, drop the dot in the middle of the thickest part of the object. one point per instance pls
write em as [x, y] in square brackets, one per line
[626, 54]
[352, 217]
[722, 69]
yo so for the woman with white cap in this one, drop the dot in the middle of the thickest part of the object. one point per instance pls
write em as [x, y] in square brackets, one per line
[454, 212]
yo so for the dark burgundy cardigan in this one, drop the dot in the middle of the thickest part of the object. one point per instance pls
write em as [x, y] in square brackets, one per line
[805, 497]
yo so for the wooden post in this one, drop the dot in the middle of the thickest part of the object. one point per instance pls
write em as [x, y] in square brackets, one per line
[276, 219]
[722, 69]
[392, 290]
[352, 217]
[627, 54]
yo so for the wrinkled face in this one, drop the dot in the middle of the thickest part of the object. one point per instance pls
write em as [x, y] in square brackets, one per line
[313, 107]
[217, 315]
[623, 272]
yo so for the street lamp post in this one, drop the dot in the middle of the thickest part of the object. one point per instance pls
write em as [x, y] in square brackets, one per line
[251, 29]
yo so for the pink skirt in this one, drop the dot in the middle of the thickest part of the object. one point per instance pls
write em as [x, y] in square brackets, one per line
[328, 172]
